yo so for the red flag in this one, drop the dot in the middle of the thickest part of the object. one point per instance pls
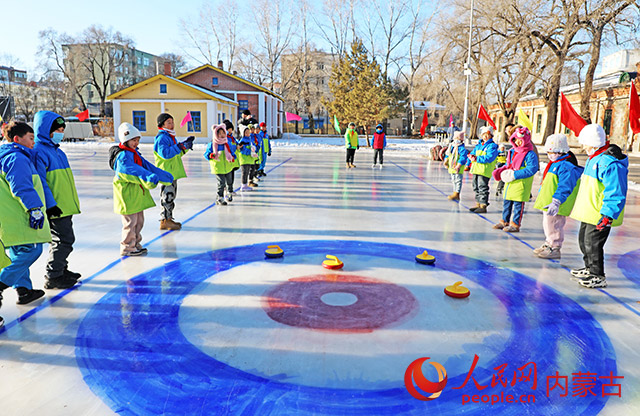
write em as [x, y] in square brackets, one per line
[83, 116]
[634, 110]
[569, 117]
[450, 120]
[483, 115]
[186, 119]
[425, 123]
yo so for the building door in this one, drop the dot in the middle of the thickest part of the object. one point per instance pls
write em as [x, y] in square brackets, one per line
[606, 123]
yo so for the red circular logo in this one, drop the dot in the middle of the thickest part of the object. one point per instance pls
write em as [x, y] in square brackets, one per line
[414, 373]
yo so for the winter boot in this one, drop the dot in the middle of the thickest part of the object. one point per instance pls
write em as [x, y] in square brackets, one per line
[500, 225]
[169, 224]
[482, 209]
[473, 209]
[581, 272]
[373, 166]
[221, 201]
[138, 252]
[62, 282]
[229, 197]
[253, 184]
[512, 228]
[71, 275]
[26, 296]
[454, 196]
[245, 188]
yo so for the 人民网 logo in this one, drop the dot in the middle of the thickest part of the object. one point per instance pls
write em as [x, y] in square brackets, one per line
[414, 374]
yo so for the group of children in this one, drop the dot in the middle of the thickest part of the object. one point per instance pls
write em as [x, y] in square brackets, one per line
[352, 144]
[134, 176]
[39, 198]
[595, 195]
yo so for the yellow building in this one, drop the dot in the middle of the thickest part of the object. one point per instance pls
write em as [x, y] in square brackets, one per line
[141, 103]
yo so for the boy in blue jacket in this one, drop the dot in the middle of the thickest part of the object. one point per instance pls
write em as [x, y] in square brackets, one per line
[483, 157]
[23, 228]
[61, 197]
[265, 147]
[600, 202]
[455, 160]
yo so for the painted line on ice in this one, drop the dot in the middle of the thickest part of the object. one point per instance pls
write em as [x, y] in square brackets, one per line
[50, 301]
[620, 301]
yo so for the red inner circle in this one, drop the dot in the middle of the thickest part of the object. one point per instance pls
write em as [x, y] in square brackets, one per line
[297, 303]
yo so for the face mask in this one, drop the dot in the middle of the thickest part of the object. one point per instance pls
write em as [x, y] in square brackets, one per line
[591, 151]
[57, 137]
[458, 142]
[553, 156]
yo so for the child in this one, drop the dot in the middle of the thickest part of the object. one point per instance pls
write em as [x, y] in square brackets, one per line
[351, 143]
[501, 160]
[557, 194]
[134, 176]
[257, 144]
[379, 143]
[60, 195]
[600, 202]
[517, 174]
[233, 146]
[265, 147]
[455, 160]
[221, 159]
[246, 158]
[168, 155]
[483, 157]
[24, 228]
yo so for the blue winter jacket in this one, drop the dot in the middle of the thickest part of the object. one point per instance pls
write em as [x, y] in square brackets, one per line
[232, 143]
[16, 161]
[487, 152]
[246, 143]
[266, 148]
[531, 165]
[164, 145]
[568, 175]
[255, 142]
[53, 167]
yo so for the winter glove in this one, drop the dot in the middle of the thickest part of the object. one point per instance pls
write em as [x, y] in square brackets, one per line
[553, 207]
[269, 154]
[54, 211]
[507, 176]
[188, 143]
[604, 223]
[358, 147]
[36, 219]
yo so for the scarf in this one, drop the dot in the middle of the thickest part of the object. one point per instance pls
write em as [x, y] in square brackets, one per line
[136, 156]
[601, 150]
[172, 133]
[551, 163]
[227, 153]
[515, 159]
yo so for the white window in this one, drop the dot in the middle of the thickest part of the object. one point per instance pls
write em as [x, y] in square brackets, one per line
[146, 61]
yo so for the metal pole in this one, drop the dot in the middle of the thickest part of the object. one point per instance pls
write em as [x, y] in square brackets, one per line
[467, 72]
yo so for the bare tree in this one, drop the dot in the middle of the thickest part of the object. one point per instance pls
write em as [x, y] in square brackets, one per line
[178, 63]
[336, 23]
[213, 37]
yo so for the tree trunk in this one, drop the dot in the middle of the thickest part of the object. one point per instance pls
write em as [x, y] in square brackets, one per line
[311, 124]
[585, 111]
[296, 126]
[366, 135]
[552, 100]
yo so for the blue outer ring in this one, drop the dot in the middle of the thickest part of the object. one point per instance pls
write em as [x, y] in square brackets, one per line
[133, 355]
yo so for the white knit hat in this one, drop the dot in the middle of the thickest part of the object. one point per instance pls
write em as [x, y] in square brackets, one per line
[593, 135]
[486, 129]
[557, 143]
[127, 131]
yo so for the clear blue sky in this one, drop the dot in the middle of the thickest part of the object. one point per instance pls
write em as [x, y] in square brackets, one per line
[153, 25]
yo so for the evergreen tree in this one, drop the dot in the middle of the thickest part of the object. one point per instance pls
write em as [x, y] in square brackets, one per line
[360, 94]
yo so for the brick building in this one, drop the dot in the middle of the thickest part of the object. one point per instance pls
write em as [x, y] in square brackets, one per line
[264, 104]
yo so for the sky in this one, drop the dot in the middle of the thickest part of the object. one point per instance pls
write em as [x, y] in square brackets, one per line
[153, 25]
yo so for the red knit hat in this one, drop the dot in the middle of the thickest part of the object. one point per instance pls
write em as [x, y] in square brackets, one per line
[263, 124]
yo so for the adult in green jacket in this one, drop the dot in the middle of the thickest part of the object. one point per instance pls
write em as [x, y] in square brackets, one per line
[351, 143]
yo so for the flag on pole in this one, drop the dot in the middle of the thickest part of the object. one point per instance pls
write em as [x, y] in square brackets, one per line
[292, 117]
[336, 124]
[186, 119]
[569, 117]
[483, 115]
[523, 120]
[83, 115]
[634, 110]
[425, 123]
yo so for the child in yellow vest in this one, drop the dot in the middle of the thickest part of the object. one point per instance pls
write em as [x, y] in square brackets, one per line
[600, 202]
[351, 143]
[455, 160]
[557, 194]
[221, 159]
[517, 174]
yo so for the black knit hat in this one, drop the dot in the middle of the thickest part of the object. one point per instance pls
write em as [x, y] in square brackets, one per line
[246, 112]
[162, 118]
[228, 124]
[57, 123]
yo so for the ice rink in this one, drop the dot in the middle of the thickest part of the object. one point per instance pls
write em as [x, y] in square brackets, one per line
[205, 325]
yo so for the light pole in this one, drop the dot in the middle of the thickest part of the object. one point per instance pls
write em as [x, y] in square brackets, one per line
[467, 72]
